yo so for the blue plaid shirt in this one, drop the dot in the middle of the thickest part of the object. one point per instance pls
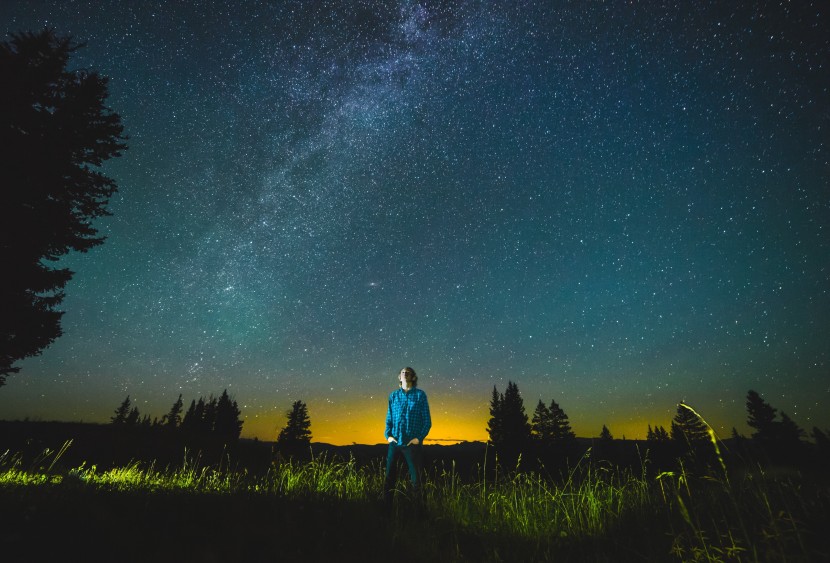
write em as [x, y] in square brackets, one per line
[408, 416]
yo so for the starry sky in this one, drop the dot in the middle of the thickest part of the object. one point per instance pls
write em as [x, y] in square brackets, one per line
[616, 205]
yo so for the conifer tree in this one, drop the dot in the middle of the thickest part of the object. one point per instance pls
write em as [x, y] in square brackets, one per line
[297, 432]
[560, 426]
[228, 425]
[761, 417]
[55, 133]
[121, 413]
[173, 418]
[687, 430]
[209, 414]
[132, 418]
[495, 424]
[605, 434]
[515, 425]
[541, 428]
[788, 432]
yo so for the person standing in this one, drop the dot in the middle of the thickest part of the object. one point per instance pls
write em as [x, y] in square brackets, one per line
[407, 425]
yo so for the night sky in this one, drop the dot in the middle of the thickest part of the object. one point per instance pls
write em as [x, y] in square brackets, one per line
[616, 205]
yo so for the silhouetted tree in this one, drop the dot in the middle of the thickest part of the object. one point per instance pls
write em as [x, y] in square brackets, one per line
[55, 133]
[514, 418]
[121, 413]
[297, 432]
[174, 418]
[605, 434]
[560, 425]
[495, 424]
[780, 440]
[761, 417]
[509, 427]
[788, 431]
[658, 435]
[541, 425]
[189, 423]
[690, 434]
[552, 435]
[209, 414]
[228, 425]
[132, 418]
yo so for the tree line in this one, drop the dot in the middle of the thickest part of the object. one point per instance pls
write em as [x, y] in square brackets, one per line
[548, 432]
[216, 418]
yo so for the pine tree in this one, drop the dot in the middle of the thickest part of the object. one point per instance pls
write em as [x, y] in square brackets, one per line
[55, 133]
[121, 413]
[189, 423]
[541, 429]
[297, 432]
[688, 430]
[209, 414]
[515, 425]
[605, 434]
[560, 426]
[495, 426]
[132, 418]
[761, 417]
[228, 425]
[173, 418]
[788, 432]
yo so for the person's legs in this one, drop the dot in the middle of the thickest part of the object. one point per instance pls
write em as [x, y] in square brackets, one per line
[389, 482]
[412, 455]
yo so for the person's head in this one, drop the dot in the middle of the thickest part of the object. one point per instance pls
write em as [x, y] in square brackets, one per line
[408, 376]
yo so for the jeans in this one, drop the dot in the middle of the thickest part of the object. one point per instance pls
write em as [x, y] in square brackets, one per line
[414, 460]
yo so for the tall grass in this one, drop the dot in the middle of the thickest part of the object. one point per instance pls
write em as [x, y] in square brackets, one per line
[595, 512]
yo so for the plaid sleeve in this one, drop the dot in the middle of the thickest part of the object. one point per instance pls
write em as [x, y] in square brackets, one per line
[424, 419]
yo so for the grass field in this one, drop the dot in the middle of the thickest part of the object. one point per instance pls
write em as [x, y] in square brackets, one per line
[329, 509]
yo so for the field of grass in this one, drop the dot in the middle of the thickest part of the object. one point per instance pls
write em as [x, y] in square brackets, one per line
[330, 509]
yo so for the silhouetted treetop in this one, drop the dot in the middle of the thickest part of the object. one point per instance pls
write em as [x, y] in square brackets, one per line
[508, 425]
[297, 431]
[55, 131]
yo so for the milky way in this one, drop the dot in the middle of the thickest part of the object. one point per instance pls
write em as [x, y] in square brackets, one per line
[618, 206]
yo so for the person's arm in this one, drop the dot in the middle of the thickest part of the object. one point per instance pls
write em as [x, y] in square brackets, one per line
[424, 420]
[388, 433]
[427, 420]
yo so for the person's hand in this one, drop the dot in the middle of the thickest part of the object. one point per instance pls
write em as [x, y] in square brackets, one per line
[391, 439]
[414, 442]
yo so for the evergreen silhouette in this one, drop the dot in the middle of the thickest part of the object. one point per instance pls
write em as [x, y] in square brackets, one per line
[780, 439]
[495, 424]
[687, 427]
[213, 418]
[658, 435]
[55, 133]
[550, 425]
[562, 431]
[761, 417]
[541, 425]
[132, 418]
[173, 419]
[122, 412]
[228, 425]
[509, 427]
[296, 436]
[605, 434]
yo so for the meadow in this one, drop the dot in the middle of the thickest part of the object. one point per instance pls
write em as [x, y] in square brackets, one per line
[329, 508]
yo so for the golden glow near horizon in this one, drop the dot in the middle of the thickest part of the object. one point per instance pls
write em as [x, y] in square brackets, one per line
[453, 421]
[363, 422]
